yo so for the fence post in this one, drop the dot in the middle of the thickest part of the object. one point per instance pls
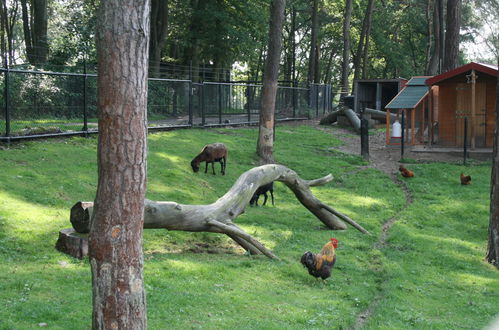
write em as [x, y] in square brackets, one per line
[85, 114]
[201, 95]
[191, 94]
[248, 101]
[293, 101]
[402, 137]
[316, 101]
[465, 142]
[219, 103]
[364, 137]
[324, 98]
[6, 98]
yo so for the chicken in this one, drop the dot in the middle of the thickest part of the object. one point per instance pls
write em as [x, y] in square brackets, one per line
[405, 172]
[465, 179]
[320, 265]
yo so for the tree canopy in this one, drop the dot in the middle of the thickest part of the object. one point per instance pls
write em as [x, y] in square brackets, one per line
[227, 39]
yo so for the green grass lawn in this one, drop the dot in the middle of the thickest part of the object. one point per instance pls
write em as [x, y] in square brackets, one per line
[430, 275]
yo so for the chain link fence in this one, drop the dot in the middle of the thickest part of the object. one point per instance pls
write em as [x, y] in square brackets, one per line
[43, 104]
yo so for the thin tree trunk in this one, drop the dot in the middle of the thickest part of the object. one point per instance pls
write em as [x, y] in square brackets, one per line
[39, 30]
[159, 29]
[493, 235]
[266, 125]
[345, 67]
[452, 38]
[35, 21]
[115, 243]
[360, 47]
[434, 41]
[365, 64]
[313, 43]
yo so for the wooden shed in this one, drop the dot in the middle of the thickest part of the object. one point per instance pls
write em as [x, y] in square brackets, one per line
[465, 92]
[375, 93]
[413, 103]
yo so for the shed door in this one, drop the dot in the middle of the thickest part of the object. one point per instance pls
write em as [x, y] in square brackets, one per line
[463, 109]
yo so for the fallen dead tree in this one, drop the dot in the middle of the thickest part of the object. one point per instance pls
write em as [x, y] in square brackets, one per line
[218, 217]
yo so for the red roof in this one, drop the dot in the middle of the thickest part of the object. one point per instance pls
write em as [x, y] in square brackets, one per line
[485, 68]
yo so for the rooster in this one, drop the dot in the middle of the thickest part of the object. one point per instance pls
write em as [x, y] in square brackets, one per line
[405, 172]
[465, 179]
[320, 265]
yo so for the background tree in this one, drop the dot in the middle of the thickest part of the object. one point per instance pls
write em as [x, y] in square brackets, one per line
[35, 22]
[345, 68]
[493, 236]
[434, 37]
[115, 242]
[159, 29]
[313, 60]
[363, 40]
[452, 37]
[266, 126]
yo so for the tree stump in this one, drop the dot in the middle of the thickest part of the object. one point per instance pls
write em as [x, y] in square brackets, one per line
[72, 243]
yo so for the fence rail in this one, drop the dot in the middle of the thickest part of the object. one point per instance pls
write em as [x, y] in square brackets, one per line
[44, 104]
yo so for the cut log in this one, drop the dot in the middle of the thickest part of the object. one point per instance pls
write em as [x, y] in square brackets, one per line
[218, 217]
[72, 243]
[330, 118]
[380, 115]
[80, 217]
[353, 118]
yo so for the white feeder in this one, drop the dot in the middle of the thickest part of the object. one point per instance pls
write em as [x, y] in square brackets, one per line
[396, 130]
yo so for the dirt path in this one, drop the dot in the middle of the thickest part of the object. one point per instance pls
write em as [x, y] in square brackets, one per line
[385, 159]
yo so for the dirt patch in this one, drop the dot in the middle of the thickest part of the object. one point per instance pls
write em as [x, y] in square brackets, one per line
[382, 157]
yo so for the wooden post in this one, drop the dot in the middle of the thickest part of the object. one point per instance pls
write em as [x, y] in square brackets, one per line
[413, 126]
[423, 110]
[430, 117]
[473, 108]
[388, 117]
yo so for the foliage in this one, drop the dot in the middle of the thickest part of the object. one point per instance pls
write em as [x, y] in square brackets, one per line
[433, 261]
[218, 36]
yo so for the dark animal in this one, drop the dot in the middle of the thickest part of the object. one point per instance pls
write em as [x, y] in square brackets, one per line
[263, 191]
[320, 265]
[211, 153]
[465, 179]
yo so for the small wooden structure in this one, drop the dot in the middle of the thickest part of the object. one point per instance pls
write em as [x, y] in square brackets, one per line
[375, 93]
[466, 92]
[413, 102]
[435, 108]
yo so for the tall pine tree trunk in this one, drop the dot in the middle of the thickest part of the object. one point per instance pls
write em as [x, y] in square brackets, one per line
[266, 126]
[493, 241]
[345, 68]
[115, 248]
[159, 29]
[434, 41]
[360, 47]
[35, 22]
[312, 61]
[452, 38]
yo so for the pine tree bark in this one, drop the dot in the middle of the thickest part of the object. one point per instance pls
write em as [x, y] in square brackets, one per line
[312, 62]
[359, 55]
[434, 42]
[493, 235]
[452, 38]
[266, 125]
[35, 22]
[345, 68]
[115, 241]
